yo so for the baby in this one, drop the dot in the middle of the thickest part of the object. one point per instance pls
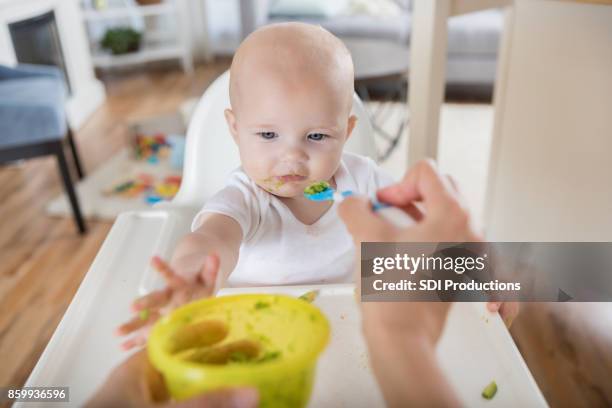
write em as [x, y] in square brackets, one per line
[291, 93]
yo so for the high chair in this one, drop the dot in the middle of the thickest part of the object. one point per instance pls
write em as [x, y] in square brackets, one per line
[83, 349]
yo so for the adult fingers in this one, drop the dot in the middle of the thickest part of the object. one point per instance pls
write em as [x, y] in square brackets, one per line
[361, 222]
[508, 312]
[493, 306]
[421, 183]
[413, 211]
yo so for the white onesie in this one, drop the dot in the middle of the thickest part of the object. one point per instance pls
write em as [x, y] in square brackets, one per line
[278, 249]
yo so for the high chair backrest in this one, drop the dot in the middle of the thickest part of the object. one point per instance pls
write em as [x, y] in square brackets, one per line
[210, 151]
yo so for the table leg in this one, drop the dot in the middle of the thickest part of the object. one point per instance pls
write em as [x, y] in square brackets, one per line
[427, 76]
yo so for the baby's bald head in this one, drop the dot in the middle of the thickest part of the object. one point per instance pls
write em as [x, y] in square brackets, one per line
[296, 54]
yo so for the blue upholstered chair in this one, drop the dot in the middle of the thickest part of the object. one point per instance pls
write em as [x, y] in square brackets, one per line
[33, 121]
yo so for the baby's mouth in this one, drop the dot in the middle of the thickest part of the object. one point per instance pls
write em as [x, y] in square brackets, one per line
[291, 178]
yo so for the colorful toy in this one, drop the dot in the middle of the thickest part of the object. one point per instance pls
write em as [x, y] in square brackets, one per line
[152, 147]
[164, 190]
[146, 185]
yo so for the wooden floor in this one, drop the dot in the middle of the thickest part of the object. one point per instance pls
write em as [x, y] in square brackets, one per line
[567, 347]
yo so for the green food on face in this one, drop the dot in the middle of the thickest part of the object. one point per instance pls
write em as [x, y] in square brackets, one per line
[316, 187]
[144, 314]
[261, 305]
[309, 296]
[272, 184]
[489, 391]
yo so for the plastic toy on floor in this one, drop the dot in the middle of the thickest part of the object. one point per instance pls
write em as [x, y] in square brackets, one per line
[147, 185]
[151, 147]
[158, 154]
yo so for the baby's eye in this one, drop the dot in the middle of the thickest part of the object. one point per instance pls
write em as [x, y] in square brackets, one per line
[317, 136]
[267, 135]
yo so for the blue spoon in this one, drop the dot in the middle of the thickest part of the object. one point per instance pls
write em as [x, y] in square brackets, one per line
[393, 214]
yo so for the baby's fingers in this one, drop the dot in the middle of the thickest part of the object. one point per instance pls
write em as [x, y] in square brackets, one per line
[171, 278]
[141, 320]
[153, 300]
[136, 341]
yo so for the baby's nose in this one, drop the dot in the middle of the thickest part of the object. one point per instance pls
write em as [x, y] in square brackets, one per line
[294, 154]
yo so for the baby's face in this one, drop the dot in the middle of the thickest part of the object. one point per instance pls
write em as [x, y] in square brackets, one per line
[289, 133]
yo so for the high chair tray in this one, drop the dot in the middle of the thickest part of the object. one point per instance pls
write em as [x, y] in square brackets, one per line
[475, 348]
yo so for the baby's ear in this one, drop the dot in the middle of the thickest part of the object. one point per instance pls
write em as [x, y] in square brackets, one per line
[230, 118]
[352, 121]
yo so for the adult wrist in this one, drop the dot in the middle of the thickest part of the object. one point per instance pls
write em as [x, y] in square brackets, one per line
[407, 369]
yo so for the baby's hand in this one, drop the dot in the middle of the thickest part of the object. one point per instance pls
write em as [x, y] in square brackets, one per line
[507, 310]
[179, 291]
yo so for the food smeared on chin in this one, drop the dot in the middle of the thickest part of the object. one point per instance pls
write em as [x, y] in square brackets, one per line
[317, 187]
[272, 183]
[290, 178]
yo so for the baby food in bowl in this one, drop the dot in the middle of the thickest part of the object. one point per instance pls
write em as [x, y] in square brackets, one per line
[270, 342]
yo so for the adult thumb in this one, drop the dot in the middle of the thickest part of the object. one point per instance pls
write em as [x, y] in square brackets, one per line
[361, 221]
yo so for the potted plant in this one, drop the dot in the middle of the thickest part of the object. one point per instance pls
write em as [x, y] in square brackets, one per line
[121, 40]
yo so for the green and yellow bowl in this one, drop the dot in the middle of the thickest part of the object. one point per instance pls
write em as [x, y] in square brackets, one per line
[290, 335]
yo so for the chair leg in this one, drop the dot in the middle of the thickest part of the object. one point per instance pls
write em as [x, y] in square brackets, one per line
[75, 155]
[74, 202]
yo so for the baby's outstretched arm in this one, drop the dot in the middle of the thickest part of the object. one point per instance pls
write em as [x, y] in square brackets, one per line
[201, 260]
[218, 234]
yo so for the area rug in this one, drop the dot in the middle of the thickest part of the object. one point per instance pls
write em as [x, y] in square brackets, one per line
[121, 184]
[147, 171]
